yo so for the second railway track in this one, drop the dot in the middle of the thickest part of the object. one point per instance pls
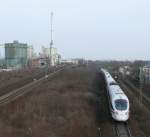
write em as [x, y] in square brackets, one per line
[12, 95]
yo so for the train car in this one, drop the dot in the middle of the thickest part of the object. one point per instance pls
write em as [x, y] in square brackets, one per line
[118, 101]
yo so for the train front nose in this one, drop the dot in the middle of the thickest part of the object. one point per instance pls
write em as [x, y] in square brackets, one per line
[122, 116]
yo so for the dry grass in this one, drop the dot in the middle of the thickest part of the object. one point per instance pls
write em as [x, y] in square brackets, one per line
[15, 79]
[62, 107]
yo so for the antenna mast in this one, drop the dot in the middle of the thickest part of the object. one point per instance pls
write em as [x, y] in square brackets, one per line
[51, 43]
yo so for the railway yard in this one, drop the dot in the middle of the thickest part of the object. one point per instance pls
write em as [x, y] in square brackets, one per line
[70, 102]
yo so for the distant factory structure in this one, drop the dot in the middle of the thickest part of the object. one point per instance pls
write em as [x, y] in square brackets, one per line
[69, 61]
[52, 55]
[47, 58]
[75, 61]
[17, 55]
[30, 53]
[20, 55]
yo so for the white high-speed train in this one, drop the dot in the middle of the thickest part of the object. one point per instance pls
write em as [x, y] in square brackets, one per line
[118, 101]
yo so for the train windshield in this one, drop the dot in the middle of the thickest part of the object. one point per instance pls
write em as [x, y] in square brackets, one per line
[121, 104]
[113, 83]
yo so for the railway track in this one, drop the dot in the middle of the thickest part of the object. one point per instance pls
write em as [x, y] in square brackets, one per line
[12, 95]
[9, 85]
[133, 90]
[122, 129]
[132, 87]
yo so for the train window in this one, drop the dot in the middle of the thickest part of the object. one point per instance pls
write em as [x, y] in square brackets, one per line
[113, 83]
[121, 104]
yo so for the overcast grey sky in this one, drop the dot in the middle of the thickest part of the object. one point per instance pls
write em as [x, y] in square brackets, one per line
[93, 29]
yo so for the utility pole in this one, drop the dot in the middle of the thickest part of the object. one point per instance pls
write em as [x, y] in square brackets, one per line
[51, 43]
[141, 85]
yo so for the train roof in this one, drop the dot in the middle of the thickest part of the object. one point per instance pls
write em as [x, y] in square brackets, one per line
[117, 92]
[110, 80]
[114, 89]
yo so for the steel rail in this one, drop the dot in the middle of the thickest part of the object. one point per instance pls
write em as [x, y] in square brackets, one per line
[12, 95]
[122, 130]
[132, 87]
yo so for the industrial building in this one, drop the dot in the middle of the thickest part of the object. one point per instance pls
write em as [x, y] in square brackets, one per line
[52, 54]
[39, 63]
[16, 55]
[69, 61]
[75, 61]
[30, 52]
